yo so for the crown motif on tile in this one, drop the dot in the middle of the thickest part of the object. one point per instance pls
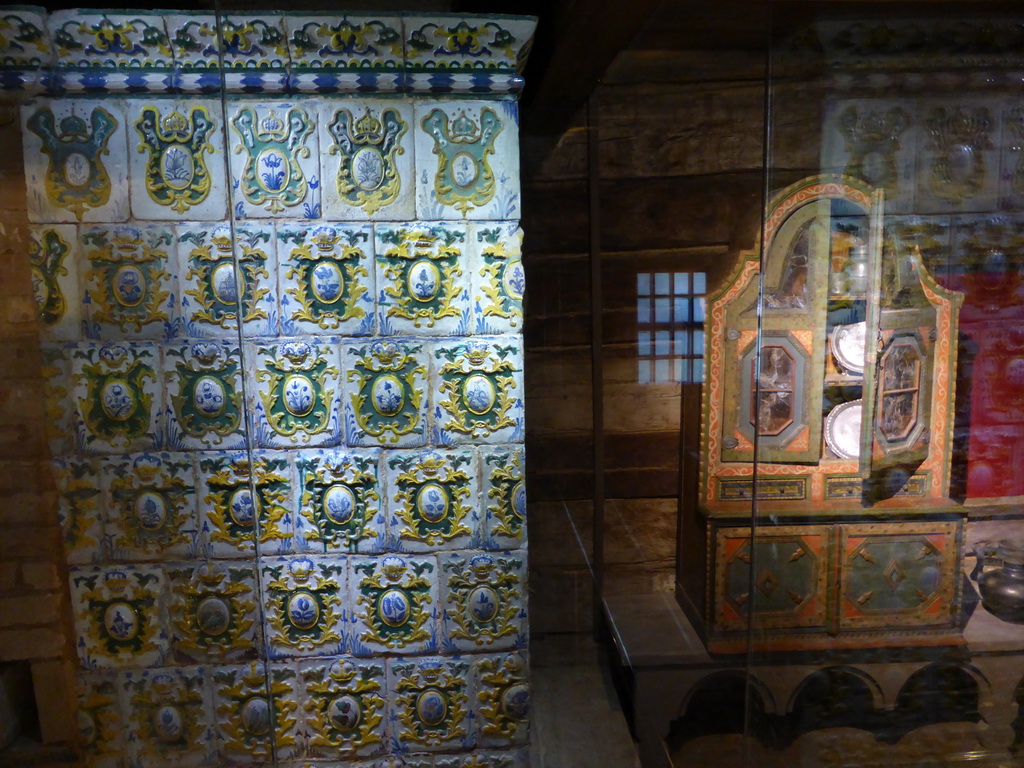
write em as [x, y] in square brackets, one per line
[431, 671]
[206, 352]
[368, 129]
[210, 575]
[113, 354]
[431, 465]
[116, 581]
[240, 467]
[273, 124]
[393, 567]
[176, 126]
[464, 129]
[324, 238]
[74, 127]
[342, 671]
[127, 240]
[482, 565]
[162, 685]
[476, 352]
[221, 238]
[385, 351]
[296, 352]
[253, 677]
[301, 569]
[146, 467]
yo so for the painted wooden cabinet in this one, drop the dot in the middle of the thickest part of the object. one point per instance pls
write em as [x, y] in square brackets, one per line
[827, 419]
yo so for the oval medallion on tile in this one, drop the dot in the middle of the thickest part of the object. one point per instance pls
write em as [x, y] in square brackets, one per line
[256, 716]
[168, 724]
[121, 621]
[298, 395]
[515, 701]
[117, 400]
[343, 712]
[150, 511]
[177, 167]
[339, 503]
[388, 395]
[424, 280]
[432, 502]
[519, 500]
[76, 170]
[213, 616]
[431, 707]
[272, 170]
[243, 507]
[209, 397]
[327, 282]
[368, 168]
[483, 604]
[303, 611]
[464, 169]
[514, 279]
[222, 281]
[394, 608]
[129, 286]
[478, 394]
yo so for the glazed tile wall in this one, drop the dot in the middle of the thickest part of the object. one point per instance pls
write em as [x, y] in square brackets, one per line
[284, 353]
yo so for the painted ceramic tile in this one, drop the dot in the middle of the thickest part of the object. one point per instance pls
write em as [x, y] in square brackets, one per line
[213, 613]
[231, 516]
[958, 156]
[100, 723]
[467, 42]
[303, 604]
[117, 616]
[982, 243]
[169, 717]
[251, 731]
[422, 286]
[367, 160]
[53, 254]
[503, 695]
[1012, 159]
[275, 156]
[497, 277]
[130, 283]
[326, 279]
[395, 604]
[873, 140]
[503, 495]
[432, 703]
[24, 43]
[384, 390]
[176, 150]
[483, 596]
[57, 385]
[478, 390]
[203, 382]
[340, 504]
[467, 160]
[76, 165]
[344, 707]
[295, 388]
[117, 396]
[84, 38]
[340, 42]
[79, 505]
[193, 40]
[149, 502]
[432, 500]
[213, 287]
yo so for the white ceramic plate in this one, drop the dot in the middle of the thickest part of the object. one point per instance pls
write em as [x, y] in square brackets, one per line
[847, 344]
[842, 429]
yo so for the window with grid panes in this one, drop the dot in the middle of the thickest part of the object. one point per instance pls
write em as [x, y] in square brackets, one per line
[670, 326]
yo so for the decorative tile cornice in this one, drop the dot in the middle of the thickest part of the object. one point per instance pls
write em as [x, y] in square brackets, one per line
[96, 52]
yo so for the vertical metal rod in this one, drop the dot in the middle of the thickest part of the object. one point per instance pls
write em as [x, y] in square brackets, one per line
[596, 351]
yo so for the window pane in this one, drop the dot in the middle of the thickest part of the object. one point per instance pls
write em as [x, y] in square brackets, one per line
[643, 344]
[643, 284]
[661, 343]
[661, 284]
[698, 310]
[699, 283]
[663, 310]
[643, 372]
[677, 370]
[681, 343]
[682, 310]
[643, 311]
[682, 283]
[698, 342]
[698, 370]
[662, 371]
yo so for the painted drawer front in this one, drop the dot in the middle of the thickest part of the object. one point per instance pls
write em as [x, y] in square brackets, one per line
[789, 588]
[899, 575]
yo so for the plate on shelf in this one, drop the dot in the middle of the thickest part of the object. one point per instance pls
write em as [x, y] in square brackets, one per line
[847, 345]
[842, 429]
